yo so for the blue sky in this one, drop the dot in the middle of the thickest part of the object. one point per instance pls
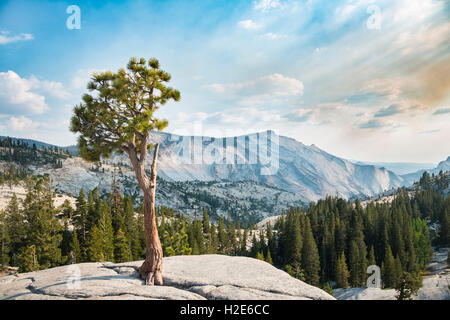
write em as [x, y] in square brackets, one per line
[361, 79]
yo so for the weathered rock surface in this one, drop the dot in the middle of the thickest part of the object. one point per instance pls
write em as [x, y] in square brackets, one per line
[185, 277]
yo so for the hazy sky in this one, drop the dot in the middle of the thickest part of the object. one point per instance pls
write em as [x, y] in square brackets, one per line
[365, 80]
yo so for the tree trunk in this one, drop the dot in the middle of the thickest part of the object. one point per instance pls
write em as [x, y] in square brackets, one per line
[151, 269]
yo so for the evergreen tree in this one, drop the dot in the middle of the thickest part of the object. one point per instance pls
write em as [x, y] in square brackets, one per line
[80, 217]
[231, 236]
[121, 253]
[341, 273]
[260, 256]
[94, 245]
[222, 236]
[293, 247]
[196, 238]
[205, 222]
[107, 232]
[214, 241]
[4, 240]
[269, 257]
[408, 285]
[74, 249]
[123, 104]
[14, 224]
[398, 270]
[372, 261]
[43, 230]
[388, 271]
[254, 250]
[244, 239]
[310, 256]
[27, 259]
[130, 228]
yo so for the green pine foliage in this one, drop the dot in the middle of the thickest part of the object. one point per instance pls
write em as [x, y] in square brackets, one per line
[74, 249]
[4, 240]
[310, 256]
[336, 240]
[94, 245]
[408, 285]
[260, 256]
[341, 273]
[121, 248]
[388, 271]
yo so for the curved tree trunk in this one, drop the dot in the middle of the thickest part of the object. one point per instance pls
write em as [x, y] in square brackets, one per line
[151, 269]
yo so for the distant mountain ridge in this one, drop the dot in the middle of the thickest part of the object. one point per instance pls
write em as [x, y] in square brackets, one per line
[39, 144]
[399, 168]
[415, 176]
[306, 171]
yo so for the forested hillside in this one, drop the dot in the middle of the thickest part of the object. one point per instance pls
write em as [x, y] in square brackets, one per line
[333, 240]
[21, 152]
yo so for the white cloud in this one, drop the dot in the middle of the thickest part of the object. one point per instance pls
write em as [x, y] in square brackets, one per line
[274, 84]
[50, 88]
[16, 95]
[264, 5]
[270, 90]
[273, 36]
[21, 95]
[5, 38]
[344, 13]
[388, 87]
[426, 38]
[249, 24]
[415, 11]
[21, 124]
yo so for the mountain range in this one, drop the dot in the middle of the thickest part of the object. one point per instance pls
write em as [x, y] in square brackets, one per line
[255, 175]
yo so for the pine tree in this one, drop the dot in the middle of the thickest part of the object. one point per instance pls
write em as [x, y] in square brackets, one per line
[408, 285]
[310, 256]
[269, 257]
[214, 241]
[4, 240]
[107, 232]
[43, 230]
[222, 236]
[254, 250]
[354, 264]
[231, 236]
[260, 256]
[121, 253]
[94, 245]
[27, 259]
[341, 273]
[388, 269]
[130, 228]
[372, 261]
[244, 238]
[14, 224]
[196, 238]
[398, 270]
[65, 243]
[74, 249]
[271, 242]
[80, 217]
[205, 222]
[293, 251]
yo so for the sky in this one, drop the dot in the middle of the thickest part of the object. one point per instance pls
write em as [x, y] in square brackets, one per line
[365, 80]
